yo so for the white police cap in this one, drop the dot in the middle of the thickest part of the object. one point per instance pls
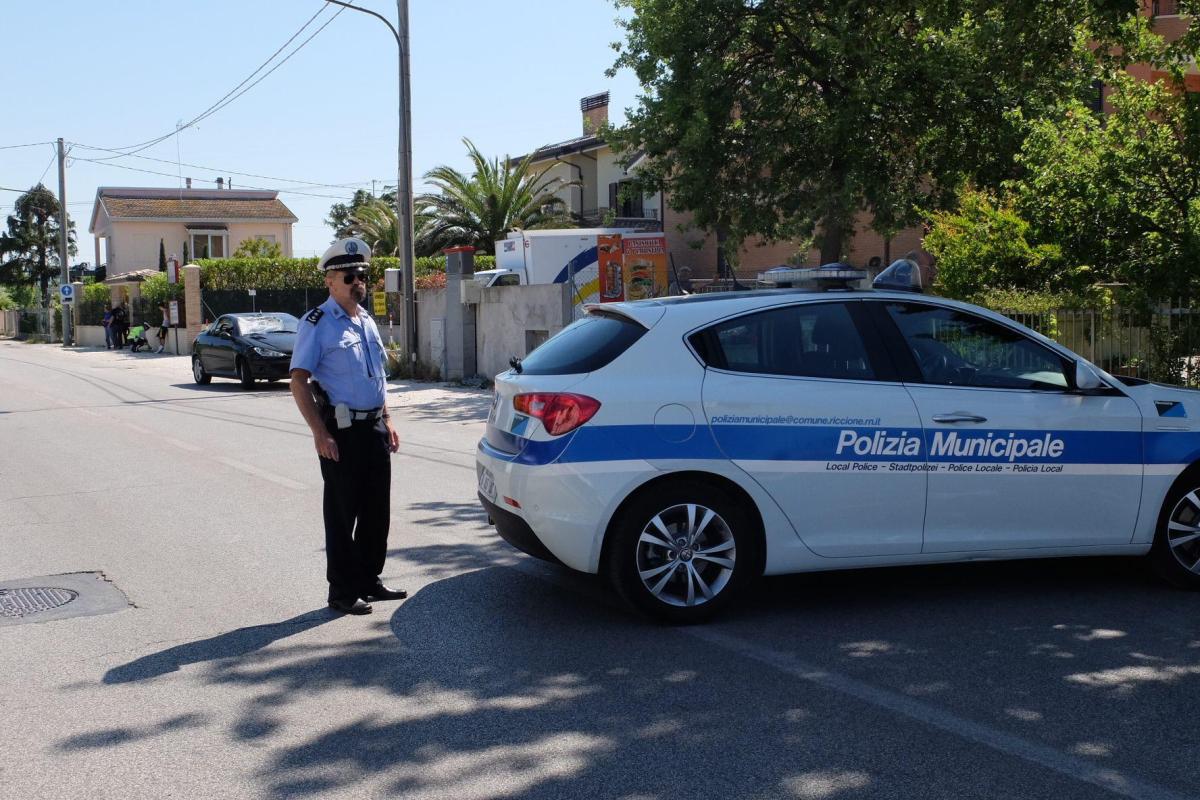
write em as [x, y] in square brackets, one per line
[345, 254]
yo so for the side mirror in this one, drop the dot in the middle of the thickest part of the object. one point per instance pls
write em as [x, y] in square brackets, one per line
[1086, 379]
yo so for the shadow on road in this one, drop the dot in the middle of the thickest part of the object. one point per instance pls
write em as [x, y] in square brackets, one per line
[233, 644]
[499, 682]
[463, 405]
[231, 386]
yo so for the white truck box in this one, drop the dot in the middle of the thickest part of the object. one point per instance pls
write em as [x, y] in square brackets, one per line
[566, 255]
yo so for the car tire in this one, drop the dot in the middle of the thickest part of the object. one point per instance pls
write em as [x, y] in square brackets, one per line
[1175, 554]
[199, 373]
[671, 560]
[244, 374]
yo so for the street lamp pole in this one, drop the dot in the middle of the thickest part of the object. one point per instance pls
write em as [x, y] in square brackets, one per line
[404, 205]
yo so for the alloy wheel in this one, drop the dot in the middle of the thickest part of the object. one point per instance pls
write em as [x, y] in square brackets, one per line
[1183, 531]
[686, 555]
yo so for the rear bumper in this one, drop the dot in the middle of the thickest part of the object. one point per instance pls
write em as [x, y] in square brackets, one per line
[563, 509]
[516, 531]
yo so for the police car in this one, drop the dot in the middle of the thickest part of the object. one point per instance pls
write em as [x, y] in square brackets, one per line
[685, 446]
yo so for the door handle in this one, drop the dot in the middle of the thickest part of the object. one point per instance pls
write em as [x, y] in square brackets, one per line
[958, 416]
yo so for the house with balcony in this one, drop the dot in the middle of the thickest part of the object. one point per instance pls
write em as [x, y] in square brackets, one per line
[128, 224]
[600, 198]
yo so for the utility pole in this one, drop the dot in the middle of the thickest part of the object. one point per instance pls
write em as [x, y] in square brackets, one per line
[65, 272]
[404, 208]
[404, 190]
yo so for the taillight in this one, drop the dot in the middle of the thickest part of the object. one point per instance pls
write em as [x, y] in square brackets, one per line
[559, 412]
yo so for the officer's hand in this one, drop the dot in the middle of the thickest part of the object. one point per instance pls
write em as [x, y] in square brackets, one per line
[393, 437]
[326, 445]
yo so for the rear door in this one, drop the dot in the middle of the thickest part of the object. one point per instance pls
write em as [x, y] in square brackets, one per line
[1017, 460]
[805, 400]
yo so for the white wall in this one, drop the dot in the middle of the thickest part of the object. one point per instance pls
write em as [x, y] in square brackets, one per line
[506, 313]
[93, 336]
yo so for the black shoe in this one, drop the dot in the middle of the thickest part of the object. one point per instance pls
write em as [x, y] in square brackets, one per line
[381, 592]
[345, 607]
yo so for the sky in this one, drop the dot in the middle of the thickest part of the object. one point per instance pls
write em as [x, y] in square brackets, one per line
[508, 75]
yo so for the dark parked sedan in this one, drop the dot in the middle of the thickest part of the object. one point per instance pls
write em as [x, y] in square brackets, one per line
[245, 346]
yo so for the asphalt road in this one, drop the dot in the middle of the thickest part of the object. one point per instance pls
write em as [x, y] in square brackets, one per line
[500, 676]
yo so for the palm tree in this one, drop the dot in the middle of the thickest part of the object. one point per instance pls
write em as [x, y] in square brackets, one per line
[498, 196]
[374, 221]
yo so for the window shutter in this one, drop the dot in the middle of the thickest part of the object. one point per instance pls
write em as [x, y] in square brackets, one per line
[612, 196]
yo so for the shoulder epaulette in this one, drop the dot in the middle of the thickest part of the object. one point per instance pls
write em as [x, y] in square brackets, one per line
[315, 315]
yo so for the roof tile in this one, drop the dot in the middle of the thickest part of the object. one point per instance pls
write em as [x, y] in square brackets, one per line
[194, 208]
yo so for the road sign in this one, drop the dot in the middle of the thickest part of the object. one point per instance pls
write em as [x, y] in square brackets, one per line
[173, 312]
[67, 292]
[380, 301]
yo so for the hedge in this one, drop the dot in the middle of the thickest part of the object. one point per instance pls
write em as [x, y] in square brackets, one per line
[301, 273]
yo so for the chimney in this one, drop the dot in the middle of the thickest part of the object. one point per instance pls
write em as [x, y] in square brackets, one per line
[220, 184]
[189, 183]
[595, 112]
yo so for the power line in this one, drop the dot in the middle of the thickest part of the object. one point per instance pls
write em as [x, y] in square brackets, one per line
[227, 99]
[170, 175]
[15, 146]
[221, 171]
[53, 156]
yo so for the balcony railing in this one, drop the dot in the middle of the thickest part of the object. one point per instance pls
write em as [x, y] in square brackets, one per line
[599, 218]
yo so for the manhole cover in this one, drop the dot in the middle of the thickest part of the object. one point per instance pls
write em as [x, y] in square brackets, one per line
[23, 602]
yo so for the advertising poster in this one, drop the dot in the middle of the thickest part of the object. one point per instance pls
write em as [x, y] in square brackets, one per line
[645, 266]
[609, 258]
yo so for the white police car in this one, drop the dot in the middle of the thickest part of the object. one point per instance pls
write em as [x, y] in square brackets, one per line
[685, 446]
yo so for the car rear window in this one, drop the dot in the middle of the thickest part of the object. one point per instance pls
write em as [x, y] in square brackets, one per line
[585, 345]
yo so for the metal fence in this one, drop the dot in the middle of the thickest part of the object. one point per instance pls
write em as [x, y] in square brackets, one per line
[39, 322]
[1162, 344]
[231, 301]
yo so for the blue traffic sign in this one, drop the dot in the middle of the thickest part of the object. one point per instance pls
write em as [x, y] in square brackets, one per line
[67, 291]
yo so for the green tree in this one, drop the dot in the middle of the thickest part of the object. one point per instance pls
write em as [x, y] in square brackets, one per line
[341, 215]
[984, 245]
[375, 223]
[258, 248]
[162, 256]
[29, 246]
[785, 120]
[1121, 195]
[498, 196]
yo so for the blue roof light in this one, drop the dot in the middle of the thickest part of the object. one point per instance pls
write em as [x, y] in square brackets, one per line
[902, 275]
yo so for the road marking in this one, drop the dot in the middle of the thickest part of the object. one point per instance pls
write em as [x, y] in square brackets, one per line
[250, 469]
[1043, 755]
[139, 429]
[191, 448]
[1040, 754]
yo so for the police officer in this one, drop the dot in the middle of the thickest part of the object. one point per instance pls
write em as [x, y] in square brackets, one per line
[339, 350]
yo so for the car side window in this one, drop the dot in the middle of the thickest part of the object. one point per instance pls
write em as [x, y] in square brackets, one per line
[814, 340]
[225, 325]
[954, 348]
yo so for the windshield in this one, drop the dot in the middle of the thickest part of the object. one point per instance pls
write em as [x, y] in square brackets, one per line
[273, 323]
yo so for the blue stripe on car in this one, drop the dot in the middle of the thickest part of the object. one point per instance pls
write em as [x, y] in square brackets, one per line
[778, 443]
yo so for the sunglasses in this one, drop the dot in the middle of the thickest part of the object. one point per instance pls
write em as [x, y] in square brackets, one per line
[350, 277]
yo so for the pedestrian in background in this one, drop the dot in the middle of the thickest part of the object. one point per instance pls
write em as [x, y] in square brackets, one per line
[137, 338]
[120, 325]
[107, 323]
[339, 386]
[162, 327]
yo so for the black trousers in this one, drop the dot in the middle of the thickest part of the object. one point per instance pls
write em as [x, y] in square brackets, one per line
[357, 508]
